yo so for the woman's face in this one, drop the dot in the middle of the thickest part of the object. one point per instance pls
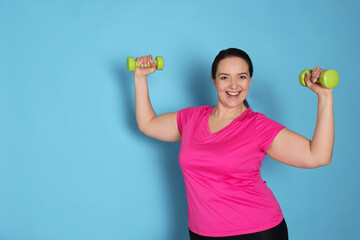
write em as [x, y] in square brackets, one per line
[232, 81]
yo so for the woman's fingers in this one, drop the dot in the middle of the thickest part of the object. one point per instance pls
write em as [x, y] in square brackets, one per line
[311, 85]
[149, 59]
[140, 60]
[145, 69]
[312, 78]
[307, 80]
[144, 61]
[316, 73]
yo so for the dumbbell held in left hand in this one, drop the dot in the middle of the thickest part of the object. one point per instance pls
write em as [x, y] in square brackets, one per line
[328, 78]
[131, 63]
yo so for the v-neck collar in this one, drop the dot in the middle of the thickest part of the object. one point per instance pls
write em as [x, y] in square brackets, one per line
[227, 126]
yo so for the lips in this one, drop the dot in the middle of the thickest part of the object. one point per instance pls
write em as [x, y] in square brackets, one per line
[232, 93]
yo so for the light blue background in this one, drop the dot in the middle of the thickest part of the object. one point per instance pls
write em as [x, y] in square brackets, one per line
[73, 164]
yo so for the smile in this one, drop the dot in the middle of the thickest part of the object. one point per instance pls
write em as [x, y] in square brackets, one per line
[232, 93]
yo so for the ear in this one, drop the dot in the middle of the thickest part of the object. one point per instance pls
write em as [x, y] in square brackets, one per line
[213, 80]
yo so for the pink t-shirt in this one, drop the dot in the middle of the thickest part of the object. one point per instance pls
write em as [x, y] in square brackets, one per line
[226, 195]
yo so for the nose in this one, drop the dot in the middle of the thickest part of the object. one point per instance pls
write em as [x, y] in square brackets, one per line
[233, 83]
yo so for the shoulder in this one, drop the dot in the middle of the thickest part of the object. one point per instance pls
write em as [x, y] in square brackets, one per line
[261, 121]
[250, 115]
[193, 110]
[190, 114]
[197, 108]
[257, 116]
[266, 130]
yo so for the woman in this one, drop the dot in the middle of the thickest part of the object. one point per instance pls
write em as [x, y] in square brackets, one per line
[222, 148]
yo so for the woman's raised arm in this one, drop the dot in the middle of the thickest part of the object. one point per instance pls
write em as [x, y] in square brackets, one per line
[293, 149]
[162, 127]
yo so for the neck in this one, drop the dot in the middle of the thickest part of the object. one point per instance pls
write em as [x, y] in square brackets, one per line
[221, 111]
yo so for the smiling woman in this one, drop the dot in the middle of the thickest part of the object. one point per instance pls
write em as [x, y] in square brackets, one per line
[222, 148]
[231, 77]
[237, 54]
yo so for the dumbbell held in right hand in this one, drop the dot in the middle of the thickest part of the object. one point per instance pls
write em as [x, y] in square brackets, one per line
[131, 63]
[328, 78]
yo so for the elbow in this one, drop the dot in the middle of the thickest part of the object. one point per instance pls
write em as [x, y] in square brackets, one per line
[143, 127]
[143, 130]
[327, 161]
[322, 162]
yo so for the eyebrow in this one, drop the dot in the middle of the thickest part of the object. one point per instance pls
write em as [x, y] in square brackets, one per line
[229, 74]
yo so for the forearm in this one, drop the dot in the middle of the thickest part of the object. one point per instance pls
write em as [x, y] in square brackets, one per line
[323, 140]
[143, 109]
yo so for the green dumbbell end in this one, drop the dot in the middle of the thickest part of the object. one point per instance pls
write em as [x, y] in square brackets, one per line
[302, 77]
[131, 64]
[159, 63]
[329, 78]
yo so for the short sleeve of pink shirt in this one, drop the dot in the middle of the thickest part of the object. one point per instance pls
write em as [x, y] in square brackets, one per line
[225, 192]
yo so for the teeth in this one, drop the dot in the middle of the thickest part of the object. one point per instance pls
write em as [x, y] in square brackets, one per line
[233, 93]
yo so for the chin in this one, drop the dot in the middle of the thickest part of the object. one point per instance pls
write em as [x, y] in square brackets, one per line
[233, 104]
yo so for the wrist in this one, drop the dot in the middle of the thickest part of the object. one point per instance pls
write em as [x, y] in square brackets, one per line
[325, 97]
[140, 78]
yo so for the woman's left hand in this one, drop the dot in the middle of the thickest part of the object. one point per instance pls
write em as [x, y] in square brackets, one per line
[311, 80]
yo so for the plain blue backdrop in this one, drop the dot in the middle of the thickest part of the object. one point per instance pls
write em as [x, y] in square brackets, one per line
[73, 164]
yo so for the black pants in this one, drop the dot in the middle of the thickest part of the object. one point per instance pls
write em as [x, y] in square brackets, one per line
[279, 232]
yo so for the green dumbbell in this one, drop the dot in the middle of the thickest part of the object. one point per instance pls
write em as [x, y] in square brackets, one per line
[132, 63]
[328, 78]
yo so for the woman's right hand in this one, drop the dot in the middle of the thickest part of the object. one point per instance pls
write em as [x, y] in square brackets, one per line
[144, 71]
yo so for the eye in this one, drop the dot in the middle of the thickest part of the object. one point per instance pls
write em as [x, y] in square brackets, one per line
[242, 77]
[223, 78]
